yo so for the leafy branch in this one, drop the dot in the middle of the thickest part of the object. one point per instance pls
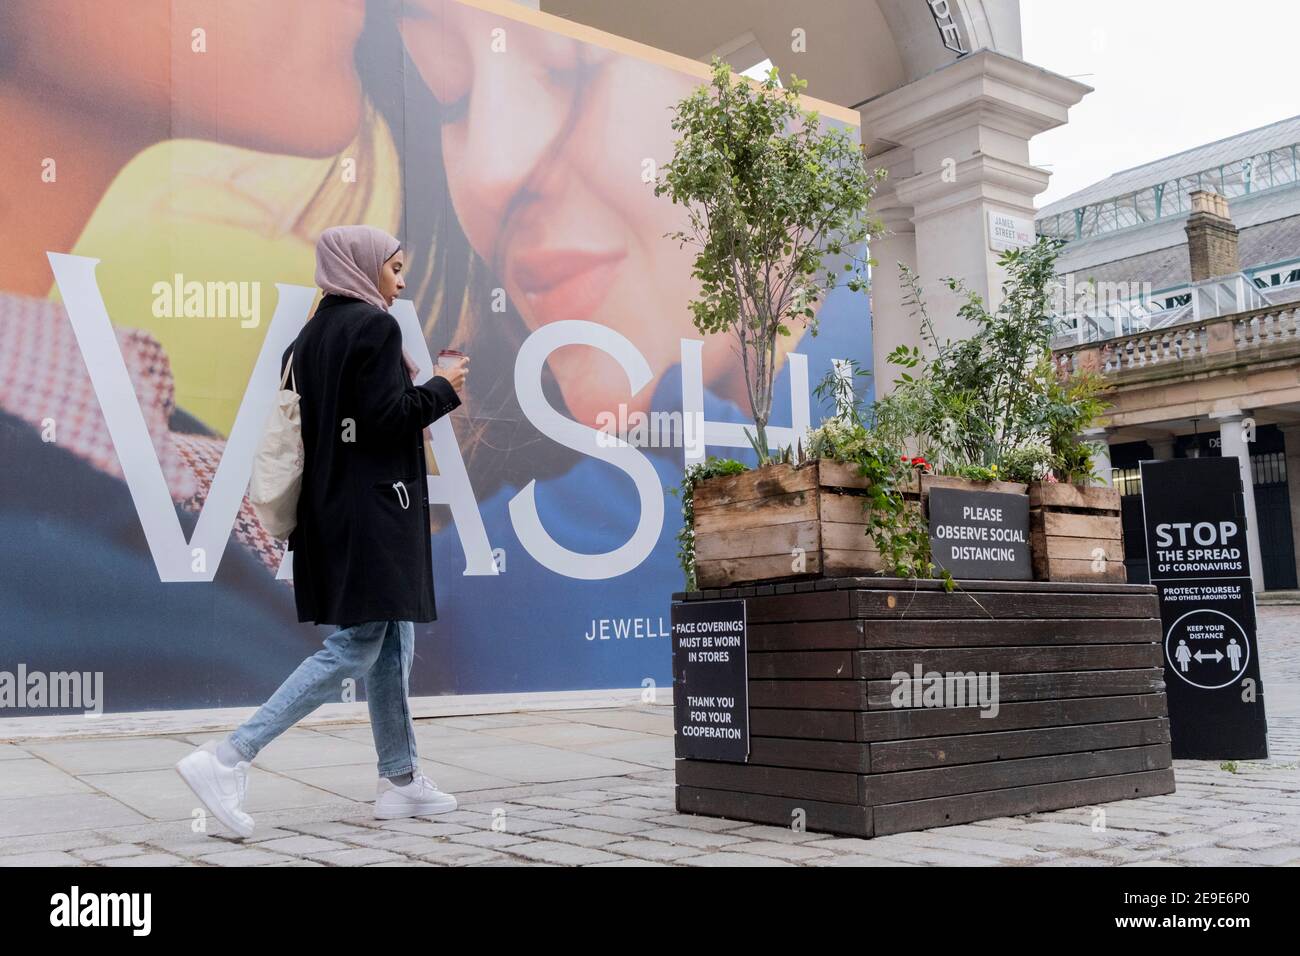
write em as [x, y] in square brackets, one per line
[993, 404]
[776, 207]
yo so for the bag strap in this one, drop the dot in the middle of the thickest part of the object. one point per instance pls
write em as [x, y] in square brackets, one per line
[288, 374]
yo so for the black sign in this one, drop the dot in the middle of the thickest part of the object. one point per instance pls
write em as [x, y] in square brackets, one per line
[980, 535]
[1196, 551]
[710, 680]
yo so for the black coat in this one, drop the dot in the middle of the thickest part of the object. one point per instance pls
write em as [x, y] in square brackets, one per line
[361, 549]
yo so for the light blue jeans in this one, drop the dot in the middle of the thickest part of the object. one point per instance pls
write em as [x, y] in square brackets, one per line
[378, 651]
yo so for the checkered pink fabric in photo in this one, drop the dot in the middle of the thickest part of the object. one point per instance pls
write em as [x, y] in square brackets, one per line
[43, 377]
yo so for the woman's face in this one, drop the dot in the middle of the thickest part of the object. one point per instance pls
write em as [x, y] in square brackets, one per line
[270, 76]
[391, 282]
[547, 167]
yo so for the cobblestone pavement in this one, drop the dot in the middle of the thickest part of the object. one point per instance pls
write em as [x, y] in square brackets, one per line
[595, 788]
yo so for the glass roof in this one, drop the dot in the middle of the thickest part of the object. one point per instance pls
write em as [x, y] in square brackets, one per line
[1242, 165]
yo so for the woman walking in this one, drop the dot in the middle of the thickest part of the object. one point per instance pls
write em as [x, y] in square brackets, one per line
[361, 553]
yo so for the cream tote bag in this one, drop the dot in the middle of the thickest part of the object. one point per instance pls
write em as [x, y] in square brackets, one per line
[277, 467]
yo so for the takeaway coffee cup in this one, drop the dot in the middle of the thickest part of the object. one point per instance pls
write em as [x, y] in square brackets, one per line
[450, 358]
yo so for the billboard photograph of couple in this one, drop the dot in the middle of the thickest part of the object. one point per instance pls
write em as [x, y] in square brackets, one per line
[175, 165]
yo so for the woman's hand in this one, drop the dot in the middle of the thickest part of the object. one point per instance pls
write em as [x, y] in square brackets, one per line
[457, 374]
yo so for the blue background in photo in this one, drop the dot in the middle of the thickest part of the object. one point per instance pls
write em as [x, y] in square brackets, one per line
[525, 630]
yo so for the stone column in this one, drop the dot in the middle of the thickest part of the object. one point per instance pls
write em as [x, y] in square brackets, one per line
[1291, 437]
[898, 245]
[1101, 457]
[957, 144]
[1234, 445]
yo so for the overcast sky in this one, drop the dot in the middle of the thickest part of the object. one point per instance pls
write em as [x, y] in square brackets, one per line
[1166, 77]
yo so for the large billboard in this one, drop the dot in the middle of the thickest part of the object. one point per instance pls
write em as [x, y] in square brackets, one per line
[170, 167]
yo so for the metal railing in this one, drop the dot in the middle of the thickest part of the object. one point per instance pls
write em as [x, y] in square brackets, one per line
[1118, 318]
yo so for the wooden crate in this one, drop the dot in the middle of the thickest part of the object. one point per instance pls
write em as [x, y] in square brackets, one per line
[1070, 527]
[782, 522]
[930, 482]
[1081, 718]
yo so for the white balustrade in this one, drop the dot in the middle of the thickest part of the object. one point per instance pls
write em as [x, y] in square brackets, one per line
[1259, 329]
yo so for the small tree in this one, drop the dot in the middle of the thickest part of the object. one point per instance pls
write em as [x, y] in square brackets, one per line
[777, 207]
[994, 402]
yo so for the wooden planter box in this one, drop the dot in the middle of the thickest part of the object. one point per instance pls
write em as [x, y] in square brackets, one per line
[782, 522]
[1070, 527]
[967, 484]
[1081, 715]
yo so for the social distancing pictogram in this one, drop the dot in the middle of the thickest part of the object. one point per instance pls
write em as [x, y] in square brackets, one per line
[1207, 648]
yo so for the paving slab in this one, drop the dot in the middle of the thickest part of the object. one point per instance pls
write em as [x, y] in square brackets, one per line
[111, 754]
[21, 816]
[358, 782]
[589, 787]
[34, 777]
[530, 763]
[163, 795]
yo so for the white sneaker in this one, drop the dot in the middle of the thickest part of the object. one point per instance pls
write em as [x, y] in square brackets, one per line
[222, 789]
[421, 797]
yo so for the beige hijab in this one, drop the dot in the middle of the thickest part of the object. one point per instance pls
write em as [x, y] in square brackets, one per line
[348, 260]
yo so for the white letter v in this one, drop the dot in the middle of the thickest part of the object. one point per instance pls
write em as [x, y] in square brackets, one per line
[172, 554]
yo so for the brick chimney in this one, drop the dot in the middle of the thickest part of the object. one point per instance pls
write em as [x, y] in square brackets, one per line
[1211, 237]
